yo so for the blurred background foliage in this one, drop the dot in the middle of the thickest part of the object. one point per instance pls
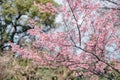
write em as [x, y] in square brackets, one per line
[12, 68]
[14, 15]
[11, 8]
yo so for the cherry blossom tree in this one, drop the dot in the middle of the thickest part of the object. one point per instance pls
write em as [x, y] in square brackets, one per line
[88, 44]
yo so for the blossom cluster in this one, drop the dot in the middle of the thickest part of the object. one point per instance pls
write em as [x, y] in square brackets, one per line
[48, 7]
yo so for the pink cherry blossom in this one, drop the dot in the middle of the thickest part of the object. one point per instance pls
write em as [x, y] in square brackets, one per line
[81, 46]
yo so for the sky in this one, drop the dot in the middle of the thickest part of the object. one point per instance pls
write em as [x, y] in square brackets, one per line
[59, 1]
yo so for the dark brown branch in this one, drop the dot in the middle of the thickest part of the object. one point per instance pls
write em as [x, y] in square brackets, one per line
[111, 2]
[99, 59]
[76, 22]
